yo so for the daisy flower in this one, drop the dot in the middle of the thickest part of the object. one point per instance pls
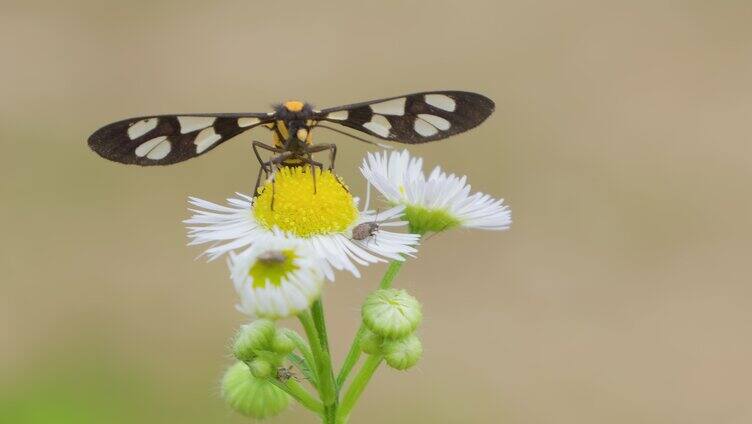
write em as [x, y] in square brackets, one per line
[278, 278]
[327, 220]
[436, 203]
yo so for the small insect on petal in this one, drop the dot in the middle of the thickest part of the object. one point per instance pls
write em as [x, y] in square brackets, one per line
[272, 257]
[364, 230]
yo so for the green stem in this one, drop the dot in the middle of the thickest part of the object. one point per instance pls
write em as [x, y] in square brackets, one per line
[357, 386]
[391, 272]
[294, 389]
[352, 358]
[323, 366]
[320, 356]
[305, 350]
[317, 310]
[354, 354]
[329, 395]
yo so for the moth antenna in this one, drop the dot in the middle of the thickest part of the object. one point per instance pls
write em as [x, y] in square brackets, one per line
[385, 146]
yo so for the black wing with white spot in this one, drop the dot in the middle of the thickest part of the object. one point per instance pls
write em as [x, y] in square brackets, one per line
[414, 118]
[166, 139]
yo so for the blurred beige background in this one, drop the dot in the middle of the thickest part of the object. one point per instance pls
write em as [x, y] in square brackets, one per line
[621, 139]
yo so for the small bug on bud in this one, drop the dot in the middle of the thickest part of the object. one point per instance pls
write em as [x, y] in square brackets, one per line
[284, 374]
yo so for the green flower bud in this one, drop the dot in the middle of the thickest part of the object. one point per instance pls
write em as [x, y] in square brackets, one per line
[260, 368]
[252, 337]
[273, 358]
[282, 344]
[251, 396]
[424, 220]
[371, 343]
[391, 313]
[404, 353]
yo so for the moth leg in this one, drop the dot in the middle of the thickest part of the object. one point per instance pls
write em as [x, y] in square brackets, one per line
[257, 144]
[319, 164]
[258, 180]
[262, 165]
[266, 166]
[272, 164]
[332, 148]
[313, 171]
[332, 155]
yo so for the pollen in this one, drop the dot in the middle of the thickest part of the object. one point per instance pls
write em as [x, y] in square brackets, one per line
[301, 211]
[294, 106]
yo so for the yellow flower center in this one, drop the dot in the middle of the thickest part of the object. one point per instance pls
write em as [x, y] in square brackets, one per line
[300, 211]
[272, 268]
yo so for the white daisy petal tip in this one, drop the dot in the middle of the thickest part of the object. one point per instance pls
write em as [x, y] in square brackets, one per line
[434, 204]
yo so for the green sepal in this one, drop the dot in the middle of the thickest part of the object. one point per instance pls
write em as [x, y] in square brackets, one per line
[423, 220]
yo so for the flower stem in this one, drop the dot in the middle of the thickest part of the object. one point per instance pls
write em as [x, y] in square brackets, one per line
[357, 386]
[305, 350]
[294, 389]
[391, 272]
[354, 354]
[351, 359]
[327, 393]
[317, 310]
[313, 338]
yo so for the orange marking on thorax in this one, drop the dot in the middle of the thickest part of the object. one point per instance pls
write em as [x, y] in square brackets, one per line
[294, 106]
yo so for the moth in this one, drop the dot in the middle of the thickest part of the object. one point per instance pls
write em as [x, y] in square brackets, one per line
[411, 119]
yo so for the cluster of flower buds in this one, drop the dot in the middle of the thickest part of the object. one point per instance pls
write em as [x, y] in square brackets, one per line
[260, 349]
[391, 317]
[261, 346]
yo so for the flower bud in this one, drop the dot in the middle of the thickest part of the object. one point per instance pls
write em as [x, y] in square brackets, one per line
[273, 358]
[403, 353]
[260, 368]
[391, 313]
[252, 337]
[251, 396]
[425, 220]
[282, 344]
[371, 343]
